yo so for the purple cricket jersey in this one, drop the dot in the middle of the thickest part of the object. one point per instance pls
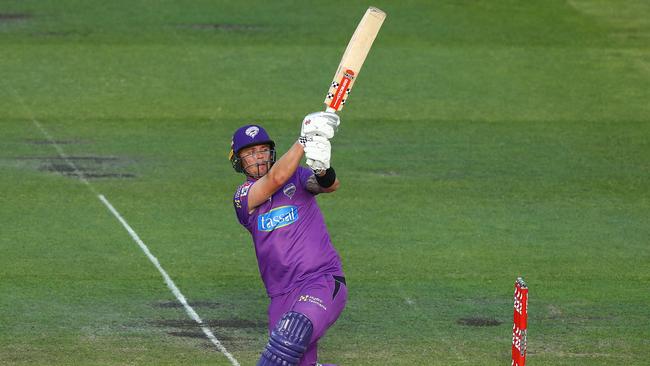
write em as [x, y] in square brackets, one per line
[291, 240]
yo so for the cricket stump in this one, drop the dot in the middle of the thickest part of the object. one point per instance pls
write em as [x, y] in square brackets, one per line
[520, 323]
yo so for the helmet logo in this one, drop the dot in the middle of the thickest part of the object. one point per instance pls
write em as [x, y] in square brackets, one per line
[252, 131]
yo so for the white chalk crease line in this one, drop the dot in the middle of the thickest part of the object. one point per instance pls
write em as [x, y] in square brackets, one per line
[172, 286]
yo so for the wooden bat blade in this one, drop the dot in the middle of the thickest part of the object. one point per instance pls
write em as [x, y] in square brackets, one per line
[353, 58]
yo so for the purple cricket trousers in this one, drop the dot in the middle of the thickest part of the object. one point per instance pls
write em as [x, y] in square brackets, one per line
[321, 299]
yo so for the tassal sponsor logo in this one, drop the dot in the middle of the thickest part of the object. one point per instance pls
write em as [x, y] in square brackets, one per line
[277, 218]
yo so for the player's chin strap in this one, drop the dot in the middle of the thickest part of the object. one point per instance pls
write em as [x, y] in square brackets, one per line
[257, 165]
[288, 342]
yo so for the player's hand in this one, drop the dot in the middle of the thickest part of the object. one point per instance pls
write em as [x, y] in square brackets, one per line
[320, 124]
[318, 167]
[318, 152]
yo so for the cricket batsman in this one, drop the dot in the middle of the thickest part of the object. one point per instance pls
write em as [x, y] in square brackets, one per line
[298, 264]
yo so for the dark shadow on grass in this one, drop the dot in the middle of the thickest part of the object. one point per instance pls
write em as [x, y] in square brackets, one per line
[54, 142]
[219, 323]
[222, 27]
[14, 17]
[197, 335]
[86, 167]
[479, 322]
[194, 304]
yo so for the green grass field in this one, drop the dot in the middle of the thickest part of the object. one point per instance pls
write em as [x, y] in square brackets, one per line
[484, 140]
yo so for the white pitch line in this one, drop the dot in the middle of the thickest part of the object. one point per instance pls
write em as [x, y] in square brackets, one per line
[172, 286]
[63, 155]
[53, 142]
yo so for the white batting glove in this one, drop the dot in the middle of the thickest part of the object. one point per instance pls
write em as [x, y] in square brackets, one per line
[318, 152]
[318, 167]
[320, 124]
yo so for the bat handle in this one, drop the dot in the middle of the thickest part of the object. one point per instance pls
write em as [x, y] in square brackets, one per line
[330, 109]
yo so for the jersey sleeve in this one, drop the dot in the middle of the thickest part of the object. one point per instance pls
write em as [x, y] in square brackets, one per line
[240, 202]
[303, 175]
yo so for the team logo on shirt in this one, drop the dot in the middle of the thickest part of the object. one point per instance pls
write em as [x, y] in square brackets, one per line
[242, 191]
[289, 190]
[277, 218]
[245, 188]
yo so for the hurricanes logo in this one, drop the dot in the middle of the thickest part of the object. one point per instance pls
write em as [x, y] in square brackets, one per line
[289, 190]
[252, 131]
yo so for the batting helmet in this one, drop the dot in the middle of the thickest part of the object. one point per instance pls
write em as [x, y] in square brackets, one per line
[246, 136]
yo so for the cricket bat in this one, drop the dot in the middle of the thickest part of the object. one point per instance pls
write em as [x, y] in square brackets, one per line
[353, 58]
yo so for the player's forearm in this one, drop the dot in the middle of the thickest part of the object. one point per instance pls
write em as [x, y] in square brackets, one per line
[333, 187]
[284, 168]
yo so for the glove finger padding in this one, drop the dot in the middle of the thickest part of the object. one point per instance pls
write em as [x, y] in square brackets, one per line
[320, 124]
[318, 152]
